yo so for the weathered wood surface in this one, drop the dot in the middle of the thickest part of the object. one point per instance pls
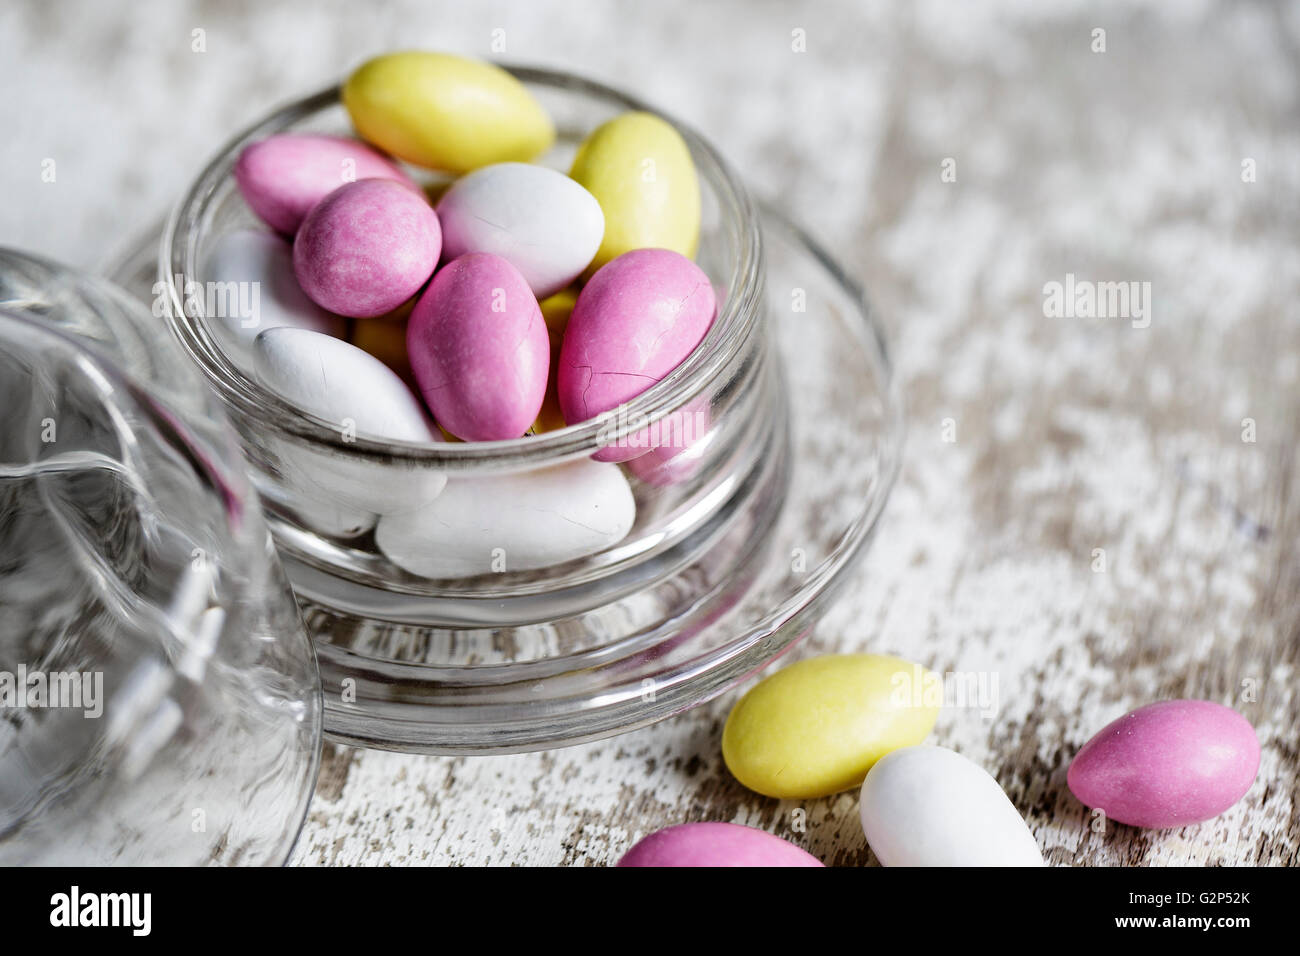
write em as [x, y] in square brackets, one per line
[1070, 436]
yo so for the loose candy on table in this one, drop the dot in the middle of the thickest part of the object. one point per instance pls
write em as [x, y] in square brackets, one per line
[512, 522]
[929, 806]
[635, 321]
[1167, 764]
[816, 727]
[283, 176]
[479, 349]
[257, 267]
[640, 171]
[715, 844]
[366, 248]
[446, 112]
[539, 220]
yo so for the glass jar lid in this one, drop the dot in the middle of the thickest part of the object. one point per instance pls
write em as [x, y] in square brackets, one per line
[159, 698]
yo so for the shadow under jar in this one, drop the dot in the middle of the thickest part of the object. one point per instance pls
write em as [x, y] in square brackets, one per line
[491, 646]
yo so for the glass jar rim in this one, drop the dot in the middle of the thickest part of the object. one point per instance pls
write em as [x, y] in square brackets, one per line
[728, 337]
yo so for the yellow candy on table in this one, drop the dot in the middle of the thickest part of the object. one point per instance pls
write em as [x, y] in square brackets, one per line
[556, 310]
[816, 727]
[641, 172]
[446, 112]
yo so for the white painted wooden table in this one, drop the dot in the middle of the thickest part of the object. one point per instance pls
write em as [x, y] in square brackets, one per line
[1095, 512]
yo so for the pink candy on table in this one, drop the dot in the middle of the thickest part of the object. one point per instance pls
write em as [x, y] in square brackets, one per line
[366, 248]
[479, 349]
[283, 176]
[1167, 764]
[635, 321]
[715, 844]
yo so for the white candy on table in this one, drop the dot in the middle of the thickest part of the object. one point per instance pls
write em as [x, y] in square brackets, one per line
[930, 806]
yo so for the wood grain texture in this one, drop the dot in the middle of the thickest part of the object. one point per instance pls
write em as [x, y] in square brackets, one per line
[1070, 435]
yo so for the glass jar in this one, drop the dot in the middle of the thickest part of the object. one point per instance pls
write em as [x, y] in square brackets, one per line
[159, 699]
[707, 559]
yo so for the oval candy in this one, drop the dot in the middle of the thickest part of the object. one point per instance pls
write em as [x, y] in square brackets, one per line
[930, 806]
[1167, 764]
[640, 171]
[359, 395]
[539, 220]
[341, 384]
[816, 727]
[366, 248]
[283, 176]
[446, 112]
[635, 321]
[715, 844]
[255, 270]
[512, 522]
[479, 349]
